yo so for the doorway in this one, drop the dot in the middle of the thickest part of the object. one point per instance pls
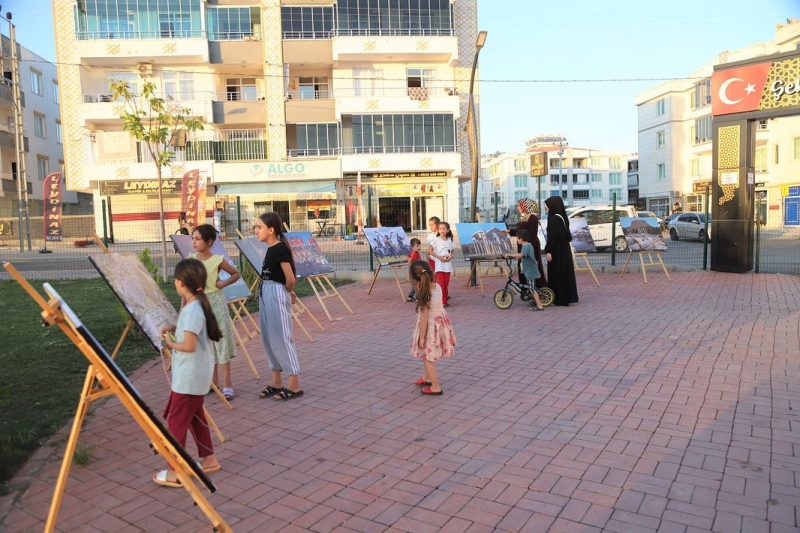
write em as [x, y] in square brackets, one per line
[394, 212]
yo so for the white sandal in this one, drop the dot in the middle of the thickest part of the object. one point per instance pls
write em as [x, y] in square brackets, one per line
[228, 394]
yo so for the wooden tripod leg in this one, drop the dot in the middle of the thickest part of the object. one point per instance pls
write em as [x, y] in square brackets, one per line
[397, 279]
[296, 318]
[663, 266]
[305, 309]
[221, 396]
[250, 317]
[336, 292]
[630, 254]
[245, 352]
[373, 281]
[644, 269]
[591, 270]
[122, 338]
[213, 424]
[72, 443]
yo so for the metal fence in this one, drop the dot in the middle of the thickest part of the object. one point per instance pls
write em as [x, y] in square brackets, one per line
[333, 223]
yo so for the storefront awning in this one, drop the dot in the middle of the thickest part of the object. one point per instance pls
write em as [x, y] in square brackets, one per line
[302, 189]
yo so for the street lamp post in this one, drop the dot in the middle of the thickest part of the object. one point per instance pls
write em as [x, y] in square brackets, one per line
[471, 127]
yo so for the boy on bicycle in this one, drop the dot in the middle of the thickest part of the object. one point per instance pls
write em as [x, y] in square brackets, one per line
[529, 268]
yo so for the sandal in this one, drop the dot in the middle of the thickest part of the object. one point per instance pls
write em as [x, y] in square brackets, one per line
[288, 394]
[429, 392]
[421, 381]
[228, 394]
[210, 468]
[162, 478]
[269, 391]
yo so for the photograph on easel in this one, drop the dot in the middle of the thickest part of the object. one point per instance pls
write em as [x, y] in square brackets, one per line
[643, 234]
[390, 245]
[109, 367]
[138, 292]
[483, 239]
[582, 239]
[233, 292]
[309, 259]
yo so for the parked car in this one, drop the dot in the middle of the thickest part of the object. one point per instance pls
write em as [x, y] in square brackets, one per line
[670, 218]
[650, 214]
[689, 226]
[599, 219]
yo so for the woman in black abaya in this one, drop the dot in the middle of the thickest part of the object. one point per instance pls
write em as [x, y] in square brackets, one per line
[560, 267]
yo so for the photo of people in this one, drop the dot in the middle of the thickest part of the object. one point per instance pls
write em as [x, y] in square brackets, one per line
[234, 292]
[390, 245]
[309, 258]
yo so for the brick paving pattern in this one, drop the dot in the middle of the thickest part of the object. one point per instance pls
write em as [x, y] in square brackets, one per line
[665, 407]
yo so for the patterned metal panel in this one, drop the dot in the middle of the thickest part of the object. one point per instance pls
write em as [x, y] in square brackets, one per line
[466, 23]
[274, 83]
[728, 146]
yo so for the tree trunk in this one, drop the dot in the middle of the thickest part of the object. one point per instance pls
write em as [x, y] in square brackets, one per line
[163, 230]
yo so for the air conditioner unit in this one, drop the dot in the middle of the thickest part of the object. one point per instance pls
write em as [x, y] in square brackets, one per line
[677, 193]
[145, 69]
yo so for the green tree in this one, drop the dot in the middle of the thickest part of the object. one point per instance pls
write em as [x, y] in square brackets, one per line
[156, 123]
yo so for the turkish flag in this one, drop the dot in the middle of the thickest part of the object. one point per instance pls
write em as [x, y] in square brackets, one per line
[738, 90]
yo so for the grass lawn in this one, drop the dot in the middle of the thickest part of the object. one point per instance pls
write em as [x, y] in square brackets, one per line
[43, 372]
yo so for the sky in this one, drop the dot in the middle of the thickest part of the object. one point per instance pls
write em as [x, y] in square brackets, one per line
[569, 67]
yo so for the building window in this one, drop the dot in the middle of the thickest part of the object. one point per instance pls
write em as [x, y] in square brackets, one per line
[597, 194]
[312, 88]
[520, 195]
[615, 178]
[130, 78]
[661, 139]
[233, 23]
[597, 178]
[178, 85]
[617, 193]
[409, 133]
[580, 194]
[521, 181]
[306, 22]
[154, 19]
[761, 159]
[396, 18]
[520, 164]
[42, 166]
[420, 77]
[702, 129]
[39, 128]
[36, 82]
[614, 163]
[660, 107]
[595, 161]
[56, 96]
[660, 206]
[240, 89]
[701, 94]
[58, 132]
[695, 167]
[662, 171]
[367, 82]
[316, 139]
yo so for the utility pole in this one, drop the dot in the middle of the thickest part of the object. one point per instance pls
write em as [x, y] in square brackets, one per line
[19, 140]
[560, 168]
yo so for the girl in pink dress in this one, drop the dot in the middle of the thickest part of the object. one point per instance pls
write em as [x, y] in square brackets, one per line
[433, 336]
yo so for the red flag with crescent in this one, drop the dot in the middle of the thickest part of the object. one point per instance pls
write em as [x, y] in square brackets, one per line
[738, 90]
[53, 202]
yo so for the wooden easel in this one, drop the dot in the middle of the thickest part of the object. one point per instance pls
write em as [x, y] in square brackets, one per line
[586, 266]
[646, 262]
[168, 355]
[474, 271]
[395, 268]
[100, 383]
[239, 340]
[298, 308]
[324, 292]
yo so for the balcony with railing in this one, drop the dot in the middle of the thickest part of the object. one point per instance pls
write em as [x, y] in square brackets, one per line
[103, 106]
[310, 105]
[239, 108]
[355, 101]
[156, 46]
[401, 158]
[401, 44]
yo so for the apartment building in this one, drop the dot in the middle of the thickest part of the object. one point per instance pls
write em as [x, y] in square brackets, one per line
[675, 141]
[42, 131]
[303, 102]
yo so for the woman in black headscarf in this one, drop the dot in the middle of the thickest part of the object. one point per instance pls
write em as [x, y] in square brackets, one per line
[529, 220]
[560, 267]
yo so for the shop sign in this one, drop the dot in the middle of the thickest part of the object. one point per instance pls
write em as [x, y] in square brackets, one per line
[539, 164]
[756, 87]
[394, 189]
[401, 175]
[700, 187]
[267, 171]
[53, 195]
[110, 188]
[790, 191]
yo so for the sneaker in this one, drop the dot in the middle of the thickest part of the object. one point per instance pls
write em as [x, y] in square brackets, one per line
[411, 299]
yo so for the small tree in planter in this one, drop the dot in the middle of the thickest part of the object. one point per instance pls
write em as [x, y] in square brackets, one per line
[155, 122]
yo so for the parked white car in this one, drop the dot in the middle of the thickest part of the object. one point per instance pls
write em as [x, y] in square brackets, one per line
[599, 219]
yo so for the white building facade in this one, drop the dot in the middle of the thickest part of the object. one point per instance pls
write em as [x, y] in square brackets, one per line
[301, 102]
[675, 140]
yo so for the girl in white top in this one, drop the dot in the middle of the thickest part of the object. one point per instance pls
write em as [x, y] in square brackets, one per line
[433, 226]
[442, 251]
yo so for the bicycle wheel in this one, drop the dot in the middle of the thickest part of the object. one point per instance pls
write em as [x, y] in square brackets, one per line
[503, 299]
[547, 296]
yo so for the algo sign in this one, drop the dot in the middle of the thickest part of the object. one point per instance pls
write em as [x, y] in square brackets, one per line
[757, 87]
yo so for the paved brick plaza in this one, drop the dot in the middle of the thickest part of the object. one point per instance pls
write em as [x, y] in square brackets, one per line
[669, 406]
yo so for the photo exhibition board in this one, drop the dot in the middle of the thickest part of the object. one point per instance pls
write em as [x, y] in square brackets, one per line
[582, 239]
[234, 292]
[109, 367]
[138, 291]
[643, 234]
[483, 240]
[309, 259]
[390, 245]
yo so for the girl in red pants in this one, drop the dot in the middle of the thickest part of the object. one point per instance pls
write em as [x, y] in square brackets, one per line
[442, 252]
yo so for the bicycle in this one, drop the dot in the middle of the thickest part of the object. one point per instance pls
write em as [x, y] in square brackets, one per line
[504, 298]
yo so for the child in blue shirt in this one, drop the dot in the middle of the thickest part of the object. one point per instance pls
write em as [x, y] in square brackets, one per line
[529, 268]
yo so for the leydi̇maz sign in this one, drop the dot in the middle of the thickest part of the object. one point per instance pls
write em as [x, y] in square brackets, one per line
[168, 186]
[757, 87]
[53, 195]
